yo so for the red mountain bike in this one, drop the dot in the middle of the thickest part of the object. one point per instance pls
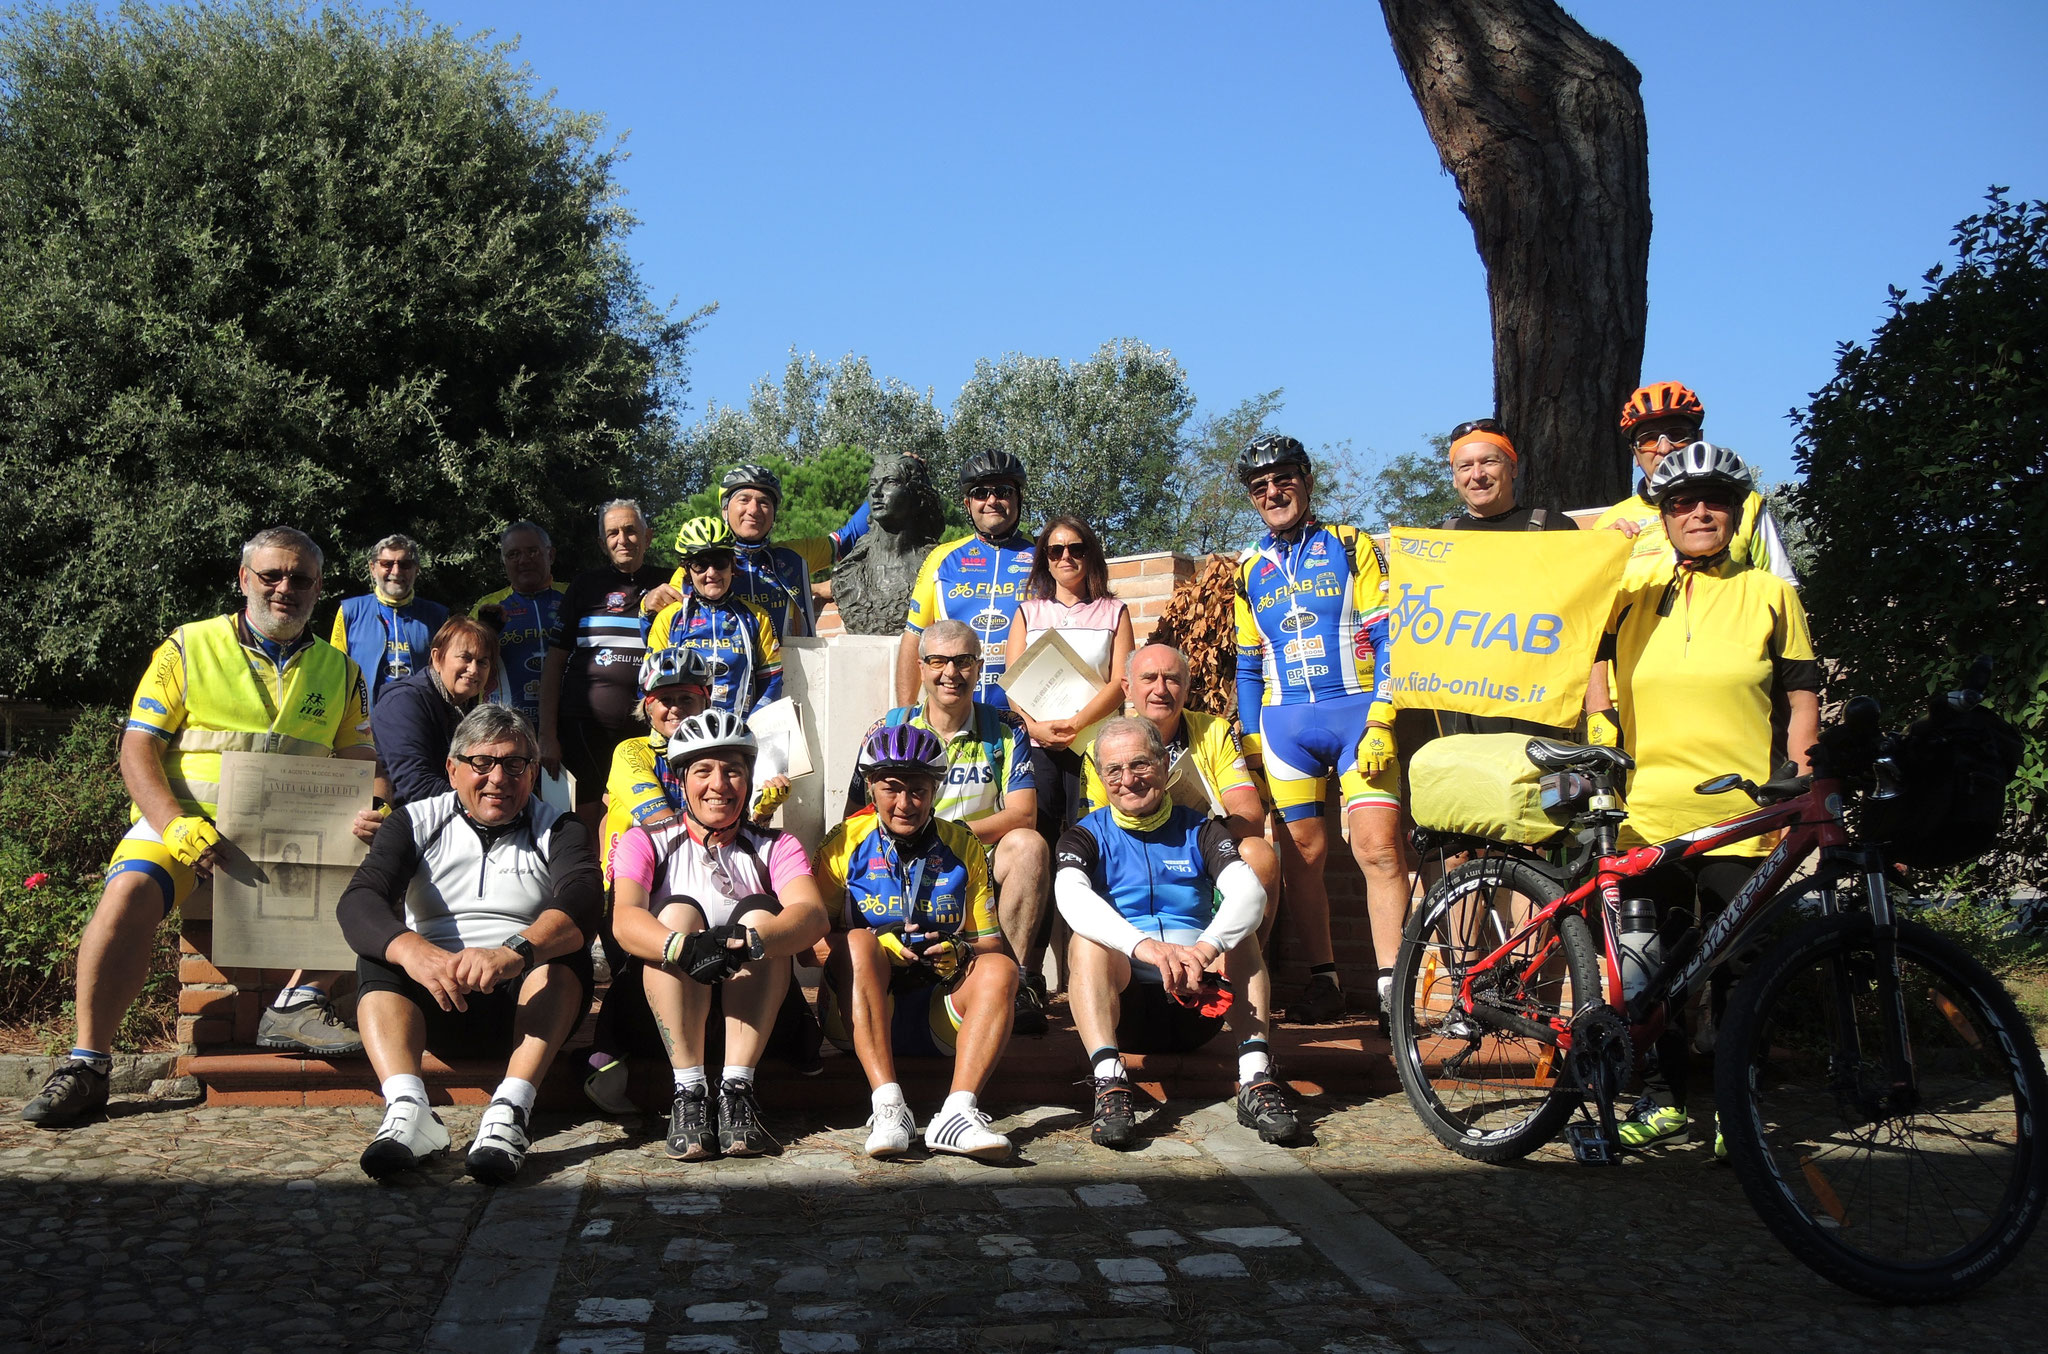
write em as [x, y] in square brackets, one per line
[1877, 1089]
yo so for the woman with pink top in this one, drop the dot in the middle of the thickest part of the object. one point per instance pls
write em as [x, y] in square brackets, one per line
[1068, 592]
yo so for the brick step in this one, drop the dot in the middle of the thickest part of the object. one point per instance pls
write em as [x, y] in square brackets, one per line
[1349, 1059]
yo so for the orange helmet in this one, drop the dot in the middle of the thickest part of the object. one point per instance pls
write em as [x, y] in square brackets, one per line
[1664, 399]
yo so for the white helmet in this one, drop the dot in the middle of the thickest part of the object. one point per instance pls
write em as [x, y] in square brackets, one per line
[1698, 465]
[712, 731]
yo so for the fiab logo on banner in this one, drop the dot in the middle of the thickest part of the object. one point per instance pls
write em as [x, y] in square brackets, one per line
[1499, 623]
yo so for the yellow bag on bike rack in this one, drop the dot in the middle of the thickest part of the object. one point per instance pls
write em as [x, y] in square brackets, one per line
[1482, 785]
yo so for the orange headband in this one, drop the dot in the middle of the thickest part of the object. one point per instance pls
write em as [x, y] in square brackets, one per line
[1491, 440]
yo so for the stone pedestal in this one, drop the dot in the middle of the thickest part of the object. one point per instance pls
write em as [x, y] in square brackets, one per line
[844, 684]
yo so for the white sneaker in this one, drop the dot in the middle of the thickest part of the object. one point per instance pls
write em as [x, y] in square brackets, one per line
[409, 1135]
[500, 1145]
[966, 1133]
[892, 1129]
[606, 1089]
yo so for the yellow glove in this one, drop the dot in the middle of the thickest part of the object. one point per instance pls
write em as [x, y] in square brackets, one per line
[768, 801]
[189, 837]
[1601, 729]
[945, 958]
[1376, 748]
[892, 945]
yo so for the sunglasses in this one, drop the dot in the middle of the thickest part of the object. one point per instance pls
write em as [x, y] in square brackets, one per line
[1279, 479]
[959, 662]
[981, 493]
[1684, 436]
[1678, 505]
[483, 764]
[289, 579]
[711, 559]
[1064, 550]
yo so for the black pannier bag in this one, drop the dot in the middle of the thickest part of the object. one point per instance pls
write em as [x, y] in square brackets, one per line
[1954, 766]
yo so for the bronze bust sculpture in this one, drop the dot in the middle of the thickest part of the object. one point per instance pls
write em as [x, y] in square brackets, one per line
[872, 585]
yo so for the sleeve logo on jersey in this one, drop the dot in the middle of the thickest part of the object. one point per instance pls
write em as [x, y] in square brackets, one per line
[1069, 859]
[152, 705]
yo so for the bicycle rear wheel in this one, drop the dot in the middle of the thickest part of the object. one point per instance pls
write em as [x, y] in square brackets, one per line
[1904, 1197]
[1489, 1093]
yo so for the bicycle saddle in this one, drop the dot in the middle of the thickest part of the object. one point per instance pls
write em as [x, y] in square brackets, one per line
[1551, 755]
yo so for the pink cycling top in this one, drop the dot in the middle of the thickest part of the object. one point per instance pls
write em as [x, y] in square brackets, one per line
[671, 861]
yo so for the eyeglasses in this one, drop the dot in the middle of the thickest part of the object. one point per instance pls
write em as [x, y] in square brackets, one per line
[396, 564]
[1116, 773]
[1678, 505]
[483, 764]
[1000, 489]
[959, 662]
[289, 579]
[1062, 550]
[1651, 437]
[1262, 485]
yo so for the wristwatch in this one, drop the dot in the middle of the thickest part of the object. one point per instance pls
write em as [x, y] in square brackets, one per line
[755, 949]
[522, 947]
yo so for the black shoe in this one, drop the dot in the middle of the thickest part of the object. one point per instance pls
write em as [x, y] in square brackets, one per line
[692, 1136]
[739, 1121]
[1262, 1105]
[1116, 1121]
[1028, 1014]
[75, 1092]
[1320, 1003]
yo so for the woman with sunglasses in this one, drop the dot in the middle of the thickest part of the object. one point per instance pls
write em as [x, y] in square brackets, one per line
[1713, 672]
[1657, 420]
[1068, 593]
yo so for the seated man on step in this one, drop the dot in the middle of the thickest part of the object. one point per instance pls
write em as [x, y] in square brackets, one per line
[1165, 918]
[472, 917]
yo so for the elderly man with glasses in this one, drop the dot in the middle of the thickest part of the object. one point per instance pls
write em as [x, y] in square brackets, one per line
[472, 917]
[1659, 419]
[989, 786]
[1165, 919]
[250, 681]
[389, 629]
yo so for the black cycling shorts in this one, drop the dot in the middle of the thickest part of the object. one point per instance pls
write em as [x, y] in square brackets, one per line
[485, 1029]
[587, 748]
[1152, 1022]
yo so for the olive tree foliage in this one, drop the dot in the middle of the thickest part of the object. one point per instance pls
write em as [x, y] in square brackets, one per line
[344, 270]
[817, 405]
[1925, 499]
[1101, 438]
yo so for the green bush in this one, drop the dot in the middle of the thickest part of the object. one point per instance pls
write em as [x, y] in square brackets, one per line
[62, 808]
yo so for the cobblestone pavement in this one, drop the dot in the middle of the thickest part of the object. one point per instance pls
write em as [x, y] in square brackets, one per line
[189, 1229]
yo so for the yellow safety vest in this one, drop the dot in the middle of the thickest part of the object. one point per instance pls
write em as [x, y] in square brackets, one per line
[229, 707]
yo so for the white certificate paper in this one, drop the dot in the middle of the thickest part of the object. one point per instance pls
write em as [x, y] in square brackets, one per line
[779, 728]
[288, 851]
[1050, 681]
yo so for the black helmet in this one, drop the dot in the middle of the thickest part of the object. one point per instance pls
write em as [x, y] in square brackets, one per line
[986, 467]
[745, 476]
[1268, 450]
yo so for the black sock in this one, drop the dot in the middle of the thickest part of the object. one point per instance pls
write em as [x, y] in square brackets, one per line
[1323, 971]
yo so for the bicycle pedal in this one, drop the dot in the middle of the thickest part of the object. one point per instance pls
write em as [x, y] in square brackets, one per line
[1590, 1146]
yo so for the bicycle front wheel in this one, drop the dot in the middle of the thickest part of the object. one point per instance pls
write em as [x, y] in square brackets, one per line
[1490, 1090]
[1905, 1193]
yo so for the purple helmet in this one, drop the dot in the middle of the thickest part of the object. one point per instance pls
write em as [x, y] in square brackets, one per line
[898, 748]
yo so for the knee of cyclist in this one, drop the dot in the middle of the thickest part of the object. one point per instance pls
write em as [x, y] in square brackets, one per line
[756, 908]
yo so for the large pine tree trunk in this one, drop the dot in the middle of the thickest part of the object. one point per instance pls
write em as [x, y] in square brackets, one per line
[1541, 124]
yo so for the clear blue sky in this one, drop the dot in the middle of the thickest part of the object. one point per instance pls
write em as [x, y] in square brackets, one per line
[1252, 188]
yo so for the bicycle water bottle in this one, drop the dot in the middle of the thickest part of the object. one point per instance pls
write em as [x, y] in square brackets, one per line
[1641, 949]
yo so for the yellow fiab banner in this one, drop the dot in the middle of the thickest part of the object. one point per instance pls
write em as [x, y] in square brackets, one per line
[1499, 622]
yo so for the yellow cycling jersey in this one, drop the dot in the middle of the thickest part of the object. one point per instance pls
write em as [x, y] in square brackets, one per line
[635, 791]
[212, 688]
[938, 881]
[1207, 762]
[1756, 541]
[1700, 661]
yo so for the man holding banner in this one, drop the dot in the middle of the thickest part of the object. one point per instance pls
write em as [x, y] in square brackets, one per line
[1311, 667]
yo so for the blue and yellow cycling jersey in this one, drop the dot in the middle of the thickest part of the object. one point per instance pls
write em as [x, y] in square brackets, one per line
[777, 577]
[389, 643]
[1311, 621]
[523, 642]
[937, 881]
[738, 643]
[979, 582]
